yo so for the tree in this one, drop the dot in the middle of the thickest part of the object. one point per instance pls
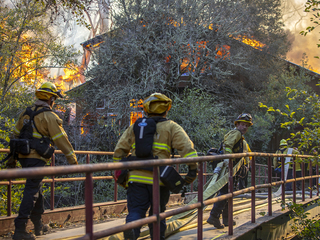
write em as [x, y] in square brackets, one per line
[28, 48]
[312, 6]
[160, 46]
[297, 108]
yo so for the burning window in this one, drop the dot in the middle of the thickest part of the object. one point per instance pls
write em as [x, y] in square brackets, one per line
[137, 110]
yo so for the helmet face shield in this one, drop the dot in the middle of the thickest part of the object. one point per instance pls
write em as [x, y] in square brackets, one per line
[244, 117]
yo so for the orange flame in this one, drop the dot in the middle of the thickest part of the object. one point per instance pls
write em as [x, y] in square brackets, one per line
[251, 42]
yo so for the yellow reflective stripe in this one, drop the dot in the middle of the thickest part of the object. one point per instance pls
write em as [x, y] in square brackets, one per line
[16, 130]
[70, 153]
[228, 150]
[59, 135]
[36, 135]
[161, 146]
[192, 154]
[142, 179]
[116, 159]
[133, 146]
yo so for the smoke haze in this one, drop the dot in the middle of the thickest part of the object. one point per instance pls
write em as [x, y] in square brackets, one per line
[303, 48]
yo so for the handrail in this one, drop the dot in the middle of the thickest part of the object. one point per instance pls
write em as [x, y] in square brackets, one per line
[90, 168]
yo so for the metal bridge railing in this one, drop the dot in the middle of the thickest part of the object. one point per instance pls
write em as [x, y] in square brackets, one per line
[89, 169]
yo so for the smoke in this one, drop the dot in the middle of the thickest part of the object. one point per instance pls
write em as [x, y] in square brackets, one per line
[303, 48]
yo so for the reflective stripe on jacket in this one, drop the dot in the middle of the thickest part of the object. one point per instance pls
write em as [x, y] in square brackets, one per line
[284, 150]
[49, 125]
[168, 135]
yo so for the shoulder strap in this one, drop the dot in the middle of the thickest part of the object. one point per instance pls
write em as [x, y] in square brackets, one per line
[35, 113]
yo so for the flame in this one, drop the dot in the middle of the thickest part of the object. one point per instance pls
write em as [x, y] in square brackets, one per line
[314, 70]
[221, 52]
[71, 73]
[137, 105]
[251, 42]
[29, 60]
[70, 78]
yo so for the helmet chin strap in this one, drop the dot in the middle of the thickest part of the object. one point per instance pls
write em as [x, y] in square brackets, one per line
[51, 101]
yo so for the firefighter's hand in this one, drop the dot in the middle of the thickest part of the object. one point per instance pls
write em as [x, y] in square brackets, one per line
[191, 176]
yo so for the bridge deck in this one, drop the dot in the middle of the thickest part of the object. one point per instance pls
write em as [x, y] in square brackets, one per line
[242, 218]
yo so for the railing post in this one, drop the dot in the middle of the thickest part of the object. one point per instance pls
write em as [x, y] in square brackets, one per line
[295, 181]
[283, 193]
[115, 194]
[9, 188]
[156, 203]
[310, 179]
[265, 173]
[303, 182]
[200, 199]
[317, 172]
[269, 188]
[253, 192]
[89, 202]
[205, 171]
[53, 162]
[230, 200]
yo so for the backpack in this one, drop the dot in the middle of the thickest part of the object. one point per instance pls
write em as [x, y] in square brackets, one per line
[144, 130]
[26, 141]
[213, 152]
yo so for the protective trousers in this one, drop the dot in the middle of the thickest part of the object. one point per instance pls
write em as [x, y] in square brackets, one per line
[139, 199]
[221, 206]
[32, 204]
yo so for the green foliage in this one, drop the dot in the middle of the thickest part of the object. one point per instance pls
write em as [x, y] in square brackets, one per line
[201, 117]
[6, 127]
[294, 107]
[312, 6]
[260, 132]
[303, 227]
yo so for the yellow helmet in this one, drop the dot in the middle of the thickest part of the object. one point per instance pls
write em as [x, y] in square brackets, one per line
[244, 117]
[157, 103]
[47, 90]
[283, 142]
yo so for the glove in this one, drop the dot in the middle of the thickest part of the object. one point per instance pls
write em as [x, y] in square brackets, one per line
[191, 176]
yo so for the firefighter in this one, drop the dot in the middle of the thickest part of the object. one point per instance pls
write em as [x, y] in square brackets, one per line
[233, 142]
[169, 135]
[49, 125]
[283, 149]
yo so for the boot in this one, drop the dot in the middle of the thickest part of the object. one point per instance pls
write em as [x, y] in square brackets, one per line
[214, 220]
[40, 228]
[226, 222]
[23, 235]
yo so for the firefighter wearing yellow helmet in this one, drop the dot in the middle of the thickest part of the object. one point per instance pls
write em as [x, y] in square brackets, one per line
[46, 130]
[283, 149]
[169, 135]
[233, 142]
